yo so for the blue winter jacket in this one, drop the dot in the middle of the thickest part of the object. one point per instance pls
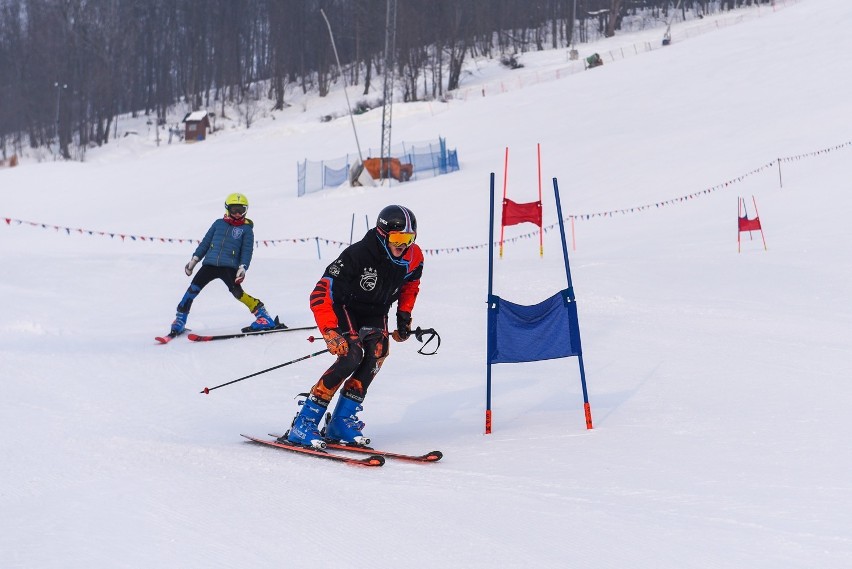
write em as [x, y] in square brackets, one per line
[226, 245]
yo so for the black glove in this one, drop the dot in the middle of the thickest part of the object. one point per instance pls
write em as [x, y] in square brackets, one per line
[403, 326]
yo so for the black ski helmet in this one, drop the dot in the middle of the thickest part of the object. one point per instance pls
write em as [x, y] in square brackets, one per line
[396, 218]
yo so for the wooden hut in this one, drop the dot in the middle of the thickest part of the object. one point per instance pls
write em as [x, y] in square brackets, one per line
[197, 124]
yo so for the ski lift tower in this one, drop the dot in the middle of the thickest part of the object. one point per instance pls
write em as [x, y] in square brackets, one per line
[387, 93]
[574, 54]
[667, 37]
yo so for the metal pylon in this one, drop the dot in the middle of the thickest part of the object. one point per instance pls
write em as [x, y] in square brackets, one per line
[387, 93]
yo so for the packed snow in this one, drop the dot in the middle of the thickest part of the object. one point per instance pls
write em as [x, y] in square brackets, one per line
[719, 381]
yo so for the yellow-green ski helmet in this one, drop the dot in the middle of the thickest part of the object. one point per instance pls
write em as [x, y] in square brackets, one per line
[236, 204]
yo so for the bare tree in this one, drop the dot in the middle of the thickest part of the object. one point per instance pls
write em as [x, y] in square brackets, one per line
[69, 68]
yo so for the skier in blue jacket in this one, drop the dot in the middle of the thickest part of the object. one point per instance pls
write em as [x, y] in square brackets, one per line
[226, 249]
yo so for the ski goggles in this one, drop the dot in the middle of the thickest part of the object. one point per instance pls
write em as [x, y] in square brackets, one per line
[401, 238]
[237, 209]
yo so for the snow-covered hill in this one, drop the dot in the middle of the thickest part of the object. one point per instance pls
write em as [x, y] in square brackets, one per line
[718, 380]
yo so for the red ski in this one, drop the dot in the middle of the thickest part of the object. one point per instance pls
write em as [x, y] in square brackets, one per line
[200, 338]
[433, 456]
[373, 460]
[169, 337]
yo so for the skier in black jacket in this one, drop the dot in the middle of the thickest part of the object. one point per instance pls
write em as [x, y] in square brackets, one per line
[350, 304]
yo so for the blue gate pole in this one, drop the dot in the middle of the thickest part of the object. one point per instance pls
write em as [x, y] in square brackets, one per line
[490, 300]
[319, 255]
[586, 407]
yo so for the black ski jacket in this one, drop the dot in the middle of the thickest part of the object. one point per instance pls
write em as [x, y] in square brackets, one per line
[367, 280]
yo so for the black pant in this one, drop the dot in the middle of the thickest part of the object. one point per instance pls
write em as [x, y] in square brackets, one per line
[208, 273]
[367, 336]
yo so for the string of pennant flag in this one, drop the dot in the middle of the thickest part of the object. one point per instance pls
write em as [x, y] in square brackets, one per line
[145, 238]
[446, 250]
[612, 213]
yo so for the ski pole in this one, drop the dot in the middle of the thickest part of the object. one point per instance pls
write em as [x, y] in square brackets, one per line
[207, 390]
[433, 335]
[418, 333]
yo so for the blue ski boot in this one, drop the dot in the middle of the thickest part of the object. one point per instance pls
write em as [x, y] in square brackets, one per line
[179, 325]
[305, 428]
[343, 425]
[264, 320]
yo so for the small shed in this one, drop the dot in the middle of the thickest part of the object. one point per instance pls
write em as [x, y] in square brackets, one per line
[197, 124]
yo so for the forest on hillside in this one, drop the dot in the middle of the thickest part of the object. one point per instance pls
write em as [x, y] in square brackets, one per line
[68, 68]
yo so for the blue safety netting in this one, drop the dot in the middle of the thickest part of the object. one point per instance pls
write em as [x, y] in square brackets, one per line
[428, 159]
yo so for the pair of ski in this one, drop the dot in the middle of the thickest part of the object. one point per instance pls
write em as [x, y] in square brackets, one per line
[375, 458]
[247, 331]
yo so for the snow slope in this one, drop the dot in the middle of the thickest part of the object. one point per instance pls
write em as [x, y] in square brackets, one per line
[717, 380]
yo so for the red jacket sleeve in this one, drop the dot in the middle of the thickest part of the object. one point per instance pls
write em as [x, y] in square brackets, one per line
[321, 305]
[411, 286]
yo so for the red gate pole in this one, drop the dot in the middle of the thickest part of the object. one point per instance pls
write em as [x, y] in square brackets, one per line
[739, 215]
[505, 176]
[573, 239]
[540, 230]
[760, 225]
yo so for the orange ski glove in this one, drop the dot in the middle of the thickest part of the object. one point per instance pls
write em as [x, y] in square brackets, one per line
[336, 343]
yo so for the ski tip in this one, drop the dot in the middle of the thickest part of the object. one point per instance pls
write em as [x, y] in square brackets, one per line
[166, 338]
[433, 456]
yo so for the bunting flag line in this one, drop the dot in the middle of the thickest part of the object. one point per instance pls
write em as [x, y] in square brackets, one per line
[179, 240]
[448, 250]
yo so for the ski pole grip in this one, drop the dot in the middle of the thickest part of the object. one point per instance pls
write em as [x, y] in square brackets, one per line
[419, 333]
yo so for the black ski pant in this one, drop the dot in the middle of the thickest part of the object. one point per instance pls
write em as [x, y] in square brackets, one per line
[208, 273]
[367, 336]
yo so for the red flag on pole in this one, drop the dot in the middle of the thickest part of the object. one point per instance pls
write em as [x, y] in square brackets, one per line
[515, 213]
[745, 224]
